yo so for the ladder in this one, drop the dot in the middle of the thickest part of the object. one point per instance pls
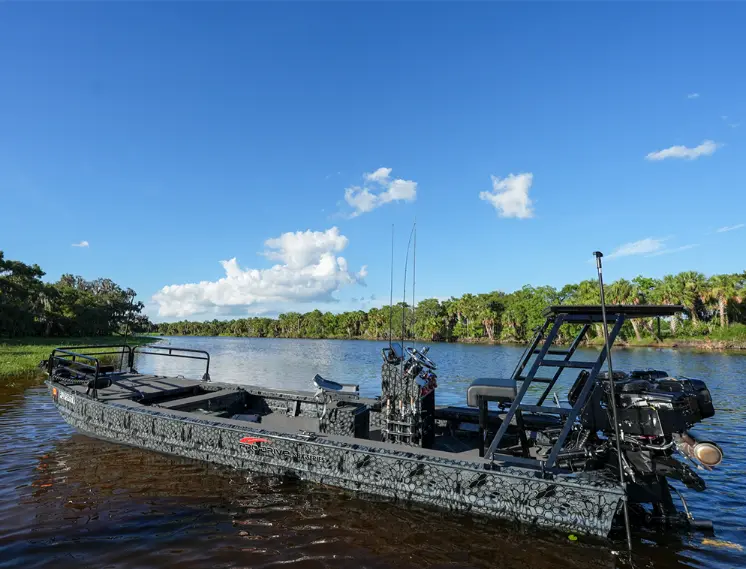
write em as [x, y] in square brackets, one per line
[548, 356]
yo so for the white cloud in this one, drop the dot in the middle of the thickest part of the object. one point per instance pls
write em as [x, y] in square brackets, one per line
[667, 251]
[707, 148]
[641, 247]
[81, 244]
[729, 123]
[509, 196]
[380, 175]
[693, 96]
[379, 189]
[309, 270]
[730, 228]
[650, 247]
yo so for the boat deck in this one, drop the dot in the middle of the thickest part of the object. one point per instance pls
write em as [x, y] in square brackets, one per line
[141, 387]
[176, 393]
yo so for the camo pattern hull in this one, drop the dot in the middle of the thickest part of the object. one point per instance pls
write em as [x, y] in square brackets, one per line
[579, 503]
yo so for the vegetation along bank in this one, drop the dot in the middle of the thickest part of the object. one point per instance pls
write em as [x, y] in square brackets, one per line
[36, 315]
[714, 315]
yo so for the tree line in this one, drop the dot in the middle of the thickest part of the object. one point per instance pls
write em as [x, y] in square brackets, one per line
[710, 305]
[72, 306]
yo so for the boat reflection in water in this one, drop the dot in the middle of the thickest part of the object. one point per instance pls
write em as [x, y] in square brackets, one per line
[105, 504]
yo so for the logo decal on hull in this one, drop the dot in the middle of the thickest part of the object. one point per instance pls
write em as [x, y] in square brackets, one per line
[252, 440]
[58, 394]
[269, 451]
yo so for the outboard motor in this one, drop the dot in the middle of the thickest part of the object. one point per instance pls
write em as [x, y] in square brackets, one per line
[408, 384]
[655, 413]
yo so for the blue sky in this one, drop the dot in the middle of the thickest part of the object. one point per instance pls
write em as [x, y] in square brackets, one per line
[171, 137]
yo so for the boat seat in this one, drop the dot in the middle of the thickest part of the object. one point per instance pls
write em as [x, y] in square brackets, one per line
[490, 389]
[328, 385]
[483, 390]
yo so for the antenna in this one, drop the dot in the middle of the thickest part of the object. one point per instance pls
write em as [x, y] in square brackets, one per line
[414, 280]
[598, 256]
[391, 289]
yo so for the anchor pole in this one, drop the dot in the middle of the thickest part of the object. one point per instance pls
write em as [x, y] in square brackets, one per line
[599, 268]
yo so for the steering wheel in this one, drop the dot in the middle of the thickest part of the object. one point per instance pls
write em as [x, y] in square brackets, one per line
[421, 358]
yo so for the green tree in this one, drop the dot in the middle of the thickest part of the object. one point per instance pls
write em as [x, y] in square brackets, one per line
[692, 286]
[723, 289]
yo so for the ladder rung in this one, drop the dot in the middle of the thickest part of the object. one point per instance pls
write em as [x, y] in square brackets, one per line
[554, 351]
[545, 409]
[536, 379]
[572, 364]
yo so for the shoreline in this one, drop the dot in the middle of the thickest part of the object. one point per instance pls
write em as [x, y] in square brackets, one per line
[704, 344]
[19, 357]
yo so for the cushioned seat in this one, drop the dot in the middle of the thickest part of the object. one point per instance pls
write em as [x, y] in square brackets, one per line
[490, 389]
[329, 385]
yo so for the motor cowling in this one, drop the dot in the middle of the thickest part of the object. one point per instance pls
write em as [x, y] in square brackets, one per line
[651, 403]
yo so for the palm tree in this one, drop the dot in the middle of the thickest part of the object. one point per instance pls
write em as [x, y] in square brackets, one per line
[624, 292]
[668, 291]
[722, 288]
[648, 292]
[693, 287]
[489, 308]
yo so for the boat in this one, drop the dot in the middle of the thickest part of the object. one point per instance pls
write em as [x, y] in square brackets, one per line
[516, 451]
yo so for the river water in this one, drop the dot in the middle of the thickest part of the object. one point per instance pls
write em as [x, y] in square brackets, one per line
[67, 500]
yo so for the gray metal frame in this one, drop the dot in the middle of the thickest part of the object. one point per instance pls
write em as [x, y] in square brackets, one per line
[168, 351]
[556, 318]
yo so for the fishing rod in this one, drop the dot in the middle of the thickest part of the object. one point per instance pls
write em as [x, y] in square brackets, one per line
[414, 281]
[404, 294]
[404, 299]
[391, 289]
[599, 268]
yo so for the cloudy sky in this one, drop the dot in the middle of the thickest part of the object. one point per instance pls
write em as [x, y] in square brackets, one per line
[244, 158]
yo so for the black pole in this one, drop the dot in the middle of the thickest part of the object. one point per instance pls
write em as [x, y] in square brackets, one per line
[127, 326]
[659, 328]
[612, 394]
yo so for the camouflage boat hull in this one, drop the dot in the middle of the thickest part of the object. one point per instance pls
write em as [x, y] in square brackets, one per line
[583, 503]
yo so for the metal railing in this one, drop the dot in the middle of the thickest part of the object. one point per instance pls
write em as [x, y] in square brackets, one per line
[70, 359]
[86, 360]
[171, 350]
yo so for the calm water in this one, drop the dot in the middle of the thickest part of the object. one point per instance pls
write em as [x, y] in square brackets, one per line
[70, 501]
